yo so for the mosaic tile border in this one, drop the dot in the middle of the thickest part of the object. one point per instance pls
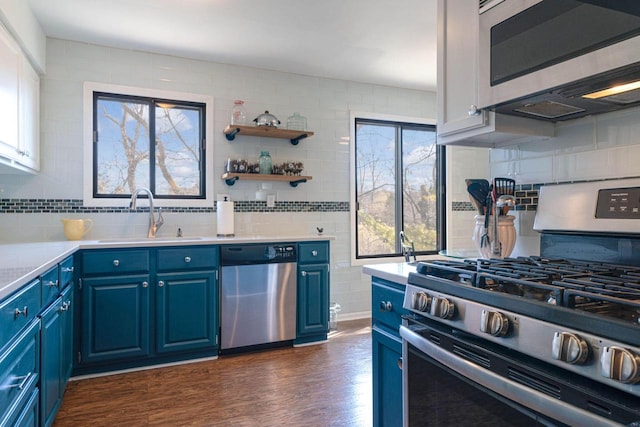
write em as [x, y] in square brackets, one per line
[66, 206]
[526, 199]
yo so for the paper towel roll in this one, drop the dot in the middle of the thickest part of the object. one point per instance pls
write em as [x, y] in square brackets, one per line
[224, 210]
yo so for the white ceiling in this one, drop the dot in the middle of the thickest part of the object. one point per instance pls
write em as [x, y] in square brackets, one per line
[388, 42]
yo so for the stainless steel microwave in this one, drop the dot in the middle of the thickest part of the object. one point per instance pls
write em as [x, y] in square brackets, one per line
[558, 60]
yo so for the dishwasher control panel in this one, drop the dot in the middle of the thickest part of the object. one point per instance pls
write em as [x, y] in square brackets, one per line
[258, 254]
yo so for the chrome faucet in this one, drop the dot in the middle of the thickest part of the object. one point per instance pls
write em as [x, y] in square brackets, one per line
[407, 248]
[153, 224]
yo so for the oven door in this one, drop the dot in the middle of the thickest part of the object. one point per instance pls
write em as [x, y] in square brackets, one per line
[459, 383]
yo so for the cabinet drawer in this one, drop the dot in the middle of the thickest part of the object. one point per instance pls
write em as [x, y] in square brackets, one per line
[50, 282]
[19, 369]
[18, 310]
[188, 258]
[115, 262]
[66, 272]
[313, 253]
[386, 305]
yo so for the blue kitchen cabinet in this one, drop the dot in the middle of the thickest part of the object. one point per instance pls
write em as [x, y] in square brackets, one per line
[115, 318]
[20, 373]
[54, 361]
[147, 306]
[187, 299]
[312, 292]
[56, 341]
[386, 312]
[186, 311]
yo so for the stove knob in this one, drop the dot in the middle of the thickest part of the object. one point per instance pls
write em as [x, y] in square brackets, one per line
[569, 348]
[421, 301]
[620, 364]
[494, 323]
[442, 307]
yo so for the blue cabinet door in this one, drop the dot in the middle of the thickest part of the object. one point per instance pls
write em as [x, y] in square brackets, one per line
[387, 379]
[313, 299]
[50, 362]
[66, 339]
[186, 311]
[115, 318]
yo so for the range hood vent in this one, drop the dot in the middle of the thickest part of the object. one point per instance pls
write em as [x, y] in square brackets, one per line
[581, 98]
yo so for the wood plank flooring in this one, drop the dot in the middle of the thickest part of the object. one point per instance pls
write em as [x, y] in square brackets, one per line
[315, 386]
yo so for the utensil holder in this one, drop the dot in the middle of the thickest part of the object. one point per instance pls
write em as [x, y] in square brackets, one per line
[506, 235]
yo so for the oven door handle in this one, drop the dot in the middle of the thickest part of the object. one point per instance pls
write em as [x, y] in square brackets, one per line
[512, 390]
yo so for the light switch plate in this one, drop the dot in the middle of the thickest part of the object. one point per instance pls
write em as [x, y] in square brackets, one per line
[271, 200]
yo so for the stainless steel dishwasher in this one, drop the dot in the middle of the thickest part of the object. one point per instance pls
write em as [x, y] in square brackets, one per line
[258, 295]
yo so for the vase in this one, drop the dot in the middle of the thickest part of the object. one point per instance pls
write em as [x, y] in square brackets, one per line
[264, 163]
[506, 236]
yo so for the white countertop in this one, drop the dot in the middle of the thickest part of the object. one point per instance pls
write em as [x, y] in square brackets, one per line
[397, 272]
[22, 262]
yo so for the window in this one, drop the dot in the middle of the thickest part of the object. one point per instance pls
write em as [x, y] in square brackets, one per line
[398, 170]
[146, 138]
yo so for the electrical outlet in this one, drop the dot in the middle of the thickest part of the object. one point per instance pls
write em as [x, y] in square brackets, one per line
[271, 200]
[221, 196]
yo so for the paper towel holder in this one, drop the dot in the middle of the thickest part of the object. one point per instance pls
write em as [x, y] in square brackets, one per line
[226, 231]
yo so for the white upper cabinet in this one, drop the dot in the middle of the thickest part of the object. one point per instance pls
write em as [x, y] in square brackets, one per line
[29, 117]
[19, 109]
[9, 64]
[460, 122]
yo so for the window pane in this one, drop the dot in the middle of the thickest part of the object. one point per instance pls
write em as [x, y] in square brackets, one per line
[122, 150]
[375, 192]
[178, 152]
[419, 188]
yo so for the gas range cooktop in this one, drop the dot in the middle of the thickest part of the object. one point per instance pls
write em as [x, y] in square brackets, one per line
[602, 289]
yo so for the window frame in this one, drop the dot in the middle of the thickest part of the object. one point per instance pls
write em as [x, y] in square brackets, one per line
[440, 185]
[89, 196]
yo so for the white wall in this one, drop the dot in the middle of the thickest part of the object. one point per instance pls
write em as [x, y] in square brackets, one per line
[592, 148]
[326, 103]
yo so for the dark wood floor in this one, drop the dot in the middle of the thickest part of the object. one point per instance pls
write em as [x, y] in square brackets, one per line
[320, 385]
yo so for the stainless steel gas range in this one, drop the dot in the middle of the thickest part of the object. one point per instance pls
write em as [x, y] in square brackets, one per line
[542, 340]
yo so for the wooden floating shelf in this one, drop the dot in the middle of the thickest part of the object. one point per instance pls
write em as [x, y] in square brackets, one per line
[293, 180]
[266, 131]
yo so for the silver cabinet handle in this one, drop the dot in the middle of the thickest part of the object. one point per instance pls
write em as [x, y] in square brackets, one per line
[187, 259]
[160, 283]
[386, 306]
[400, 363]
[473, 110]
[52, 284]
[314, 253]
[145, 284]
[65, 306]
[17, 312]
[67, 269]
[116, 262]
[303, 273]
[23, 381]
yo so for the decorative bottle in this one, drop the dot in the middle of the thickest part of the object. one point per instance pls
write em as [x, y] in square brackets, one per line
[264, 163]
[238, 113]
[296, 122]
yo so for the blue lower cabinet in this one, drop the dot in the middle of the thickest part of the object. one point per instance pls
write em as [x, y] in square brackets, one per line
[313, 301]
[387, 379]
[186, 311]
[28, 416]
[19, 376]
[55, 348]
[386, 314]
[115, 318]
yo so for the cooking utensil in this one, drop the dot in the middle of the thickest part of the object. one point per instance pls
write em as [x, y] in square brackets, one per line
[484, 239]
[504, 187]
[478, 190]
